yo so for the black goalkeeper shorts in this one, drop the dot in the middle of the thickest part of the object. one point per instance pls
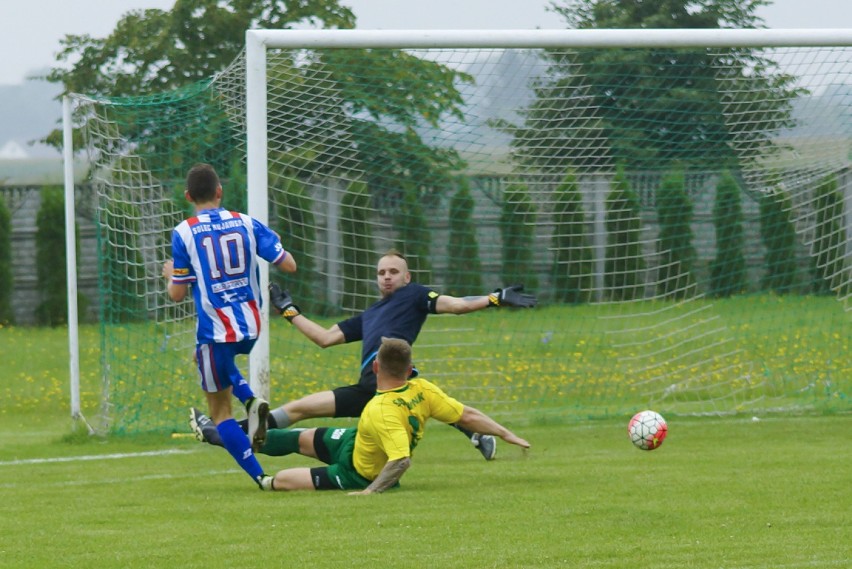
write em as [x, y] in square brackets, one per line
[349, 401]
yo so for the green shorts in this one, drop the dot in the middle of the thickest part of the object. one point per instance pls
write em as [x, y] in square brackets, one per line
[334, 447]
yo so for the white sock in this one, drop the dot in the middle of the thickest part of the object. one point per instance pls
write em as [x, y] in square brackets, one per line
[281, 418]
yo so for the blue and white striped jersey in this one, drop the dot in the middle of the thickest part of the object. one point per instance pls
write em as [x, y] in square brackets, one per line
[217, 251]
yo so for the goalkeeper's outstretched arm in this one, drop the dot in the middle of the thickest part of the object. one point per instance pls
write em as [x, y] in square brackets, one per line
[507, 296]
[322, 337]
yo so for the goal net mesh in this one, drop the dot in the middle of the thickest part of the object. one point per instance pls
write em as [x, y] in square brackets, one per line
[682, 215]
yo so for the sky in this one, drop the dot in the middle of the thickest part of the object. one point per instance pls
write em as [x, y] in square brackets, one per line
[30, 31]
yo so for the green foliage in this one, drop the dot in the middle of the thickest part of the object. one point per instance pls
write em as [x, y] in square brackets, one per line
[121, 264]
[296, 226]
[7, 281]
[393, 162]
[653, 106]
[728, 269]
[829, 247]
[676, 251]
[779, 238]
[625, 262]
[159, 50]
[358, 261]
[464, 270]
[517, 228]
[414, 237]
[235, 185]
[381, 95]
[51, 260]
[572, 260]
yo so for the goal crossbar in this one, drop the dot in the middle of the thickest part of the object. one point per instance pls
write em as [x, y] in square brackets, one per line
[615, 38]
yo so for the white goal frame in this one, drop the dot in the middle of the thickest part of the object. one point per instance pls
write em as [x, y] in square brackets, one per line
[258, 41]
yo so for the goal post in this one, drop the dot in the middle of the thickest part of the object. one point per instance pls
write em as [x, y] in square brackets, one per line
[679, 200]
[258, 199]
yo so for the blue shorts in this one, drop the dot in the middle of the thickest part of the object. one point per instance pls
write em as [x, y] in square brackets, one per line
[217, 366]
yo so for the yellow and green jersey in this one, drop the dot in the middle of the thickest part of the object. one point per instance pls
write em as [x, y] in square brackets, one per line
[392, 423]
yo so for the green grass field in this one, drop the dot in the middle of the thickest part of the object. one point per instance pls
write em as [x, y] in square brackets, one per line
[718, 494]
[729, 492]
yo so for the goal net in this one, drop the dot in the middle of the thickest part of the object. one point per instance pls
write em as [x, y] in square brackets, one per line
[683, 214]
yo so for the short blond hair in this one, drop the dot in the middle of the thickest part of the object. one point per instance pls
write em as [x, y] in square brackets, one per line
[394, 357]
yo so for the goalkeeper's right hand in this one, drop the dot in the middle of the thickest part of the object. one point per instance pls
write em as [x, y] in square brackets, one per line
[282, 302]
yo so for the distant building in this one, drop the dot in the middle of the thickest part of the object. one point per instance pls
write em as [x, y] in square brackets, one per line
[13, 151]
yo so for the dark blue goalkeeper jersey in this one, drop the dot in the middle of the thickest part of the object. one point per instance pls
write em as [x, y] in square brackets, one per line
[400, 315]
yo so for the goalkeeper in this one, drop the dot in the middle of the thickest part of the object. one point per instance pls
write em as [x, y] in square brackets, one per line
[400, 313]
[373, 457]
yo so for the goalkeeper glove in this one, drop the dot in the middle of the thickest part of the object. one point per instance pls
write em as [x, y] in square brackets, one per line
[511, 296]
[282, 302]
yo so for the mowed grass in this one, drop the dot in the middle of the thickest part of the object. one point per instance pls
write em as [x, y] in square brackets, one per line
[720, 493]
[748, 355]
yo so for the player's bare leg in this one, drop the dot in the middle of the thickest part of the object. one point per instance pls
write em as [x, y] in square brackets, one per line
[320, 404]
[282, 442]
[293, 479]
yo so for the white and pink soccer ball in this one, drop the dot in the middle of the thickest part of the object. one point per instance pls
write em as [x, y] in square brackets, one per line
[647, 430]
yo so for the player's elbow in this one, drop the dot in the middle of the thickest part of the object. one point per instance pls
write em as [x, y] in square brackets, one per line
[324, 338]
[325, 341]
[287, 264]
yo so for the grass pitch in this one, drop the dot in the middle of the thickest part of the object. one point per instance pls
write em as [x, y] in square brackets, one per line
[730, 493]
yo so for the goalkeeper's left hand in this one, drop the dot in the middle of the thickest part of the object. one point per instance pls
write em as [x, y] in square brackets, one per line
[512, 295]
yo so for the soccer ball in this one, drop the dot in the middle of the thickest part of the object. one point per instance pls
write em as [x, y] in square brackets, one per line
[647, 430]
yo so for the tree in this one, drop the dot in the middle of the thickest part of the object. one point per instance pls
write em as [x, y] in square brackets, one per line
[358, 258]
[121, 263]
[414, 237]
[296, 226]
[464, 270]
[572, 260]
[779, 237]
[625, 262]
[378, 97]
[6, 277]
[656, 106]
[728, 269]
[676, 251]
[830, 271]
[51, 260]
[517, 228]
[161, 50]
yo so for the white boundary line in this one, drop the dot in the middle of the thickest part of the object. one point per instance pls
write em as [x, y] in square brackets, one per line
[124, 480]
[94, 457]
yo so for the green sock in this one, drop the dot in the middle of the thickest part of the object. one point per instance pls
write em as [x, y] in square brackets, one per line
[281, 442]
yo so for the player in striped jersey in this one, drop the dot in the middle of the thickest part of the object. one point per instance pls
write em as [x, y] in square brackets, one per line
[216, 253]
